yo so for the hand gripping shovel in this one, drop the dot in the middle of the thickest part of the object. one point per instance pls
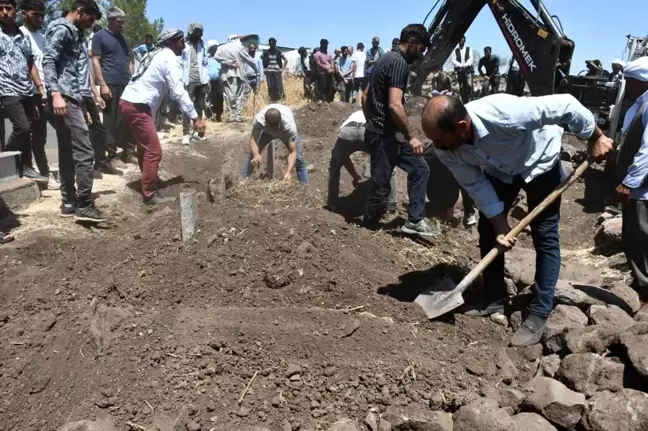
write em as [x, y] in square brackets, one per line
[445, 296]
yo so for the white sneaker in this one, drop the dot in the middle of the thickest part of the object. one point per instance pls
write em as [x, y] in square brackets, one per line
[186, 140]
[470, 220]
[197, 137]
[52, 184]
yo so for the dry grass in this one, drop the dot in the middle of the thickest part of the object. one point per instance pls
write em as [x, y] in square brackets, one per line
[294, 97]
[293, 91]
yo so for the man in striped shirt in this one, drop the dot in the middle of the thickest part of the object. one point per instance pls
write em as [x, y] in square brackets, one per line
[389, 136]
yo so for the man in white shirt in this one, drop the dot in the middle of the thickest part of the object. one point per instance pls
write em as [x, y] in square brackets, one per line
[34, 15]
[360, 83]
[276, 121]
[462, 59]
[159, 74]
[495, 147]
[350, 140]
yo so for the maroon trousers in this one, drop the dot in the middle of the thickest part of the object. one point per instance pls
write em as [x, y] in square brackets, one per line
[139, 119]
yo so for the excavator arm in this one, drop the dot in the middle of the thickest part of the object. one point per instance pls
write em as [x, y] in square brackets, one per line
[537, 43]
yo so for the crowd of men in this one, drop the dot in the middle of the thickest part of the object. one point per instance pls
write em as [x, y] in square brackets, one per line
[492, 147]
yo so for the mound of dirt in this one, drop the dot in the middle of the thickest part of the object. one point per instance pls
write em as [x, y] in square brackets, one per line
[313, 315]
[323, 120]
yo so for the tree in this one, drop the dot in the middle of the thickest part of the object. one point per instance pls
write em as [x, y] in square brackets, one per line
[137, 23]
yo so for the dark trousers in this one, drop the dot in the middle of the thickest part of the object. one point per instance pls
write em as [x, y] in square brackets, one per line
[2, 129]
[76, 156]
[117, 133]
[544, 232]
[515, 83]
[97, 130]
[442, 188]
[275, 86]
[309, 88]
[345, 89]
[39, 135]
[162, 114]
[635, 241]
[465, 85]
[149, 151]
[197, 93]
[491, 86]
[386, 153]
[20, 111]
[325, 88]
[216, 97]
[358, 85]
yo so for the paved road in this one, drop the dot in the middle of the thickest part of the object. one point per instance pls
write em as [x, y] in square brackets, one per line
[51, 148]
[51, 134]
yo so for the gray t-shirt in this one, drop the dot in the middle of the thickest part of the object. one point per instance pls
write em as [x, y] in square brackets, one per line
[194, 71]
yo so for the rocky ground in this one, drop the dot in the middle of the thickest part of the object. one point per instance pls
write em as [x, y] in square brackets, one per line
[282, 316]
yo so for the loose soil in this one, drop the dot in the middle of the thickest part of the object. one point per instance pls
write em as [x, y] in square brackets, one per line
[275, 292]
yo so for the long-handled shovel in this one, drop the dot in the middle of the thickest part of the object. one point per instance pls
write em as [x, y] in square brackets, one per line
[445, 296]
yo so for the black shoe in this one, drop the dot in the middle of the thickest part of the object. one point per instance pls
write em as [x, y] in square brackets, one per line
[90, 213]
[108, 169]
[530, 333]
[96, 174]
[32, 174]
[158, 199]
[371, 225]
[68, 210]
[130, 159]
[485, 309]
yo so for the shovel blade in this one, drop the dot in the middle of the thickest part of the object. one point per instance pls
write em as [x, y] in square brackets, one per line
[440, 299]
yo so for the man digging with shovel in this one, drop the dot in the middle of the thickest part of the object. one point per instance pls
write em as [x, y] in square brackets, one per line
[496, 146]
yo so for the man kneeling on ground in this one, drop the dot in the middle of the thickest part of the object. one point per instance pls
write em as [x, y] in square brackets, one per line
[351, 139]
[276, 121]
[496, 146]
[159, 74]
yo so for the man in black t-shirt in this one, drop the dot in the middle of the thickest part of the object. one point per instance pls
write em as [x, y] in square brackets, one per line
[491, 75]
[389, 136]
[113, 66]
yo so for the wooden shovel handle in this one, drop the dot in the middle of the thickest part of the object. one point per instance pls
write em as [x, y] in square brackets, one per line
[526, 221]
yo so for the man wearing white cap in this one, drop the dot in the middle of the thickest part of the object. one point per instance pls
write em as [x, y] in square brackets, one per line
[158, 75]
[233, 57]
[631, 171]
[617, 71]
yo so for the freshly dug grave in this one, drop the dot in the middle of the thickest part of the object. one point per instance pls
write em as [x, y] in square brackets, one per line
[311, 313]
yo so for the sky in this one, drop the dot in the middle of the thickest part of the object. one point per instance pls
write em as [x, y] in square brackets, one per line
[598, 27]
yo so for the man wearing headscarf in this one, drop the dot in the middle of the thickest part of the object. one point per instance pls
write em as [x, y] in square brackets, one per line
[195, 68]
[233, 59]
[617, 71]
[158, 75]
[631, 169]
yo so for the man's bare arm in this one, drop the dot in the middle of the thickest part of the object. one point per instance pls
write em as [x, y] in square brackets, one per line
[292, 159]
[397, 111]
[33, 71]
[96, 62]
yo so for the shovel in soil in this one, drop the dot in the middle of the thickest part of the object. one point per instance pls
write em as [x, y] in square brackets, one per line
[445, 296]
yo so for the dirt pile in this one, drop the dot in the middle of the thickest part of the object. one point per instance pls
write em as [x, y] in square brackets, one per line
[322, 120]
[280, 315]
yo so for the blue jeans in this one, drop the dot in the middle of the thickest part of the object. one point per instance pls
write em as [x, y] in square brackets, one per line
[387, 153]
[544, 232]
[262, 140]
